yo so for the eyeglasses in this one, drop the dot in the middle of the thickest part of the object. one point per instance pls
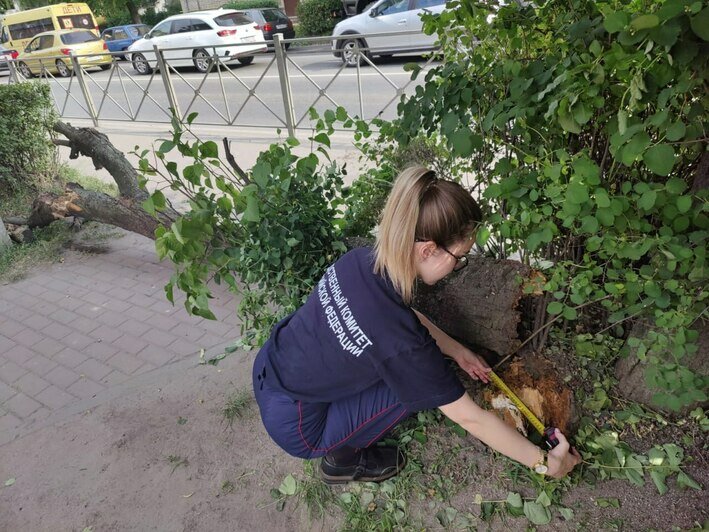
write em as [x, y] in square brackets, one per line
[460, 262]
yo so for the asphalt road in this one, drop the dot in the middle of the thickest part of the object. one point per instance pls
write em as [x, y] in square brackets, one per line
[248, 95]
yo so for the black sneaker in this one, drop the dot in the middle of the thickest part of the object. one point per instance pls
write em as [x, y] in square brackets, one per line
[373, 464]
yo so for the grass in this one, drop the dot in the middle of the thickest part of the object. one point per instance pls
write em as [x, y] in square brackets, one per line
[67, 174]
[18, 260]
[176, 462]
[236, 405]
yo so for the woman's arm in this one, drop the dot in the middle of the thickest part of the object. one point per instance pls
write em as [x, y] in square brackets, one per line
[471, 363]
[494, 432]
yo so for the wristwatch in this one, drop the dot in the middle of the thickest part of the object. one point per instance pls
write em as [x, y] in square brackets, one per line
[540, 466]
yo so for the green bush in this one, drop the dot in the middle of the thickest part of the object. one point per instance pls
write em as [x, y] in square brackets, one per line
[26, 152]
[250, 4]
[315, 16]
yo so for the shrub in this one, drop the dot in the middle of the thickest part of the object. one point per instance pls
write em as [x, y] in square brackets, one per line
[316, 16]
[26, 153]
[250, 4]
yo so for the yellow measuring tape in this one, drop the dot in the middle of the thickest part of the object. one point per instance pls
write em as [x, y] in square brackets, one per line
[534, 420]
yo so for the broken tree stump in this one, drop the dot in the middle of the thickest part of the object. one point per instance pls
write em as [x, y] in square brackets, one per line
[536, 382]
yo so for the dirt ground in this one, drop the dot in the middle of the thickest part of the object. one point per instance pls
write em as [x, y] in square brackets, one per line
[109, 468]
[157, 457]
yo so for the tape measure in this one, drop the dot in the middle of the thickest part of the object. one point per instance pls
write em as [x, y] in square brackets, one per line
[547, 433]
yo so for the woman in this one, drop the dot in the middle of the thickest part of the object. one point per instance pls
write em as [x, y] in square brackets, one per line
[355, 359]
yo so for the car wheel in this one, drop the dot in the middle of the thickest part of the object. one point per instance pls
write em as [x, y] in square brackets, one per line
[25, 70]
[141, 65]
[105, 67]
[63, 70]
[202, 60]
[246, 60]
[288, 45]
[348, 53]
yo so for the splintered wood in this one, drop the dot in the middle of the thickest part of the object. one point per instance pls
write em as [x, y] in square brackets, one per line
[535, 381]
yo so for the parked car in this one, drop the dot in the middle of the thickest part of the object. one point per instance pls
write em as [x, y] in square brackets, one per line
[51, 50]
[271, 21]
[5, 56]
[386, 16]
[119, 38]
[200, 31]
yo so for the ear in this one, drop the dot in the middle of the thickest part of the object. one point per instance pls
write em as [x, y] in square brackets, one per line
[424, 250]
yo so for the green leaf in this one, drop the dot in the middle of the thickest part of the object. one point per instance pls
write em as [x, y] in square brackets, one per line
[462, 142]
[166, 146]
[589, 224]
[684, 203]
[251, 214]
[635, 147]
[288, 486]
[676, 131]
[536, 513]
[602, 199]
[700, 24]
[566, 513]
[567, 122]
[9, 482]
[686, 481]
[644, 22]
[660, 159]
[158, 200]
[675, 454]
[577, 193]
[581, 112]
[570, 313]
[659, 479]
[647, 200]
[615, 22]
[555, 307]
[514, 500]
[341, 114]
[322, 138]
[544, 499]
[607, 502]
[149, 206]
[209, 149]
[675, 185]
[622, 122]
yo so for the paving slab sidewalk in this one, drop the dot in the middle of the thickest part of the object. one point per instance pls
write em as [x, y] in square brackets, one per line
[74, 329]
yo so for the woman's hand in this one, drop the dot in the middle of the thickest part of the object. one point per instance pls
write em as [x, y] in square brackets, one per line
[562, 458]
[474, 365]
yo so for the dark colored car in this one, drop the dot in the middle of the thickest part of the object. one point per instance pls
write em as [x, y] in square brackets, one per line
[5, 56]
[119, 38]
[271, 21]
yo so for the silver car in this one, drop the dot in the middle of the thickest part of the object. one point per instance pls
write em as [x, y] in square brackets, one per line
[385, 17]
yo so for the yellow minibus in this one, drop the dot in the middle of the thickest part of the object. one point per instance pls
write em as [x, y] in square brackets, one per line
[17, 29]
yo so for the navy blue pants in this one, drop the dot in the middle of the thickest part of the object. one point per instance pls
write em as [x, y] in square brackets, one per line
[311, 430]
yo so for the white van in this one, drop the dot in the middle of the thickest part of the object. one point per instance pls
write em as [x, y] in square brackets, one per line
[386, 16]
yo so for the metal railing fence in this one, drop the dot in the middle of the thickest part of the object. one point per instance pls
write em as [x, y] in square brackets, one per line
[219, 94]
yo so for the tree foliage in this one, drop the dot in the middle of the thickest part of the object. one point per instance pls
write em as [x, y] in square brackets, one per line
[268, 233]
[586, 122]
[26, 151]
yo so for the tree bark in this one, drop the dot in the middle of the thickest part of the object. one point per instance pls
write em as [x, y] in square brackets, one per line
[630, 370]
[125, 211]
[134, 13]
[480, 305]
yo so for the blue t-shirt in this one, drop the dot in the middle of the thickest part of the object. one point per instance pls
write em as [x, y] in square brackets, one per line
[353, 332]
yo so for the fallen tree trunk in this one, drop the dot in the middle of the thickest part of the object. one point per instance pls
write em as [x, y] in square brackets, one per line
[125, 211]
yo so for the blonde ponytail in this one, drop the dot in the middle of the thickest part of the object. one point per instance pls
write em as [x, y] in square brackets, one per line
[420, 206]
